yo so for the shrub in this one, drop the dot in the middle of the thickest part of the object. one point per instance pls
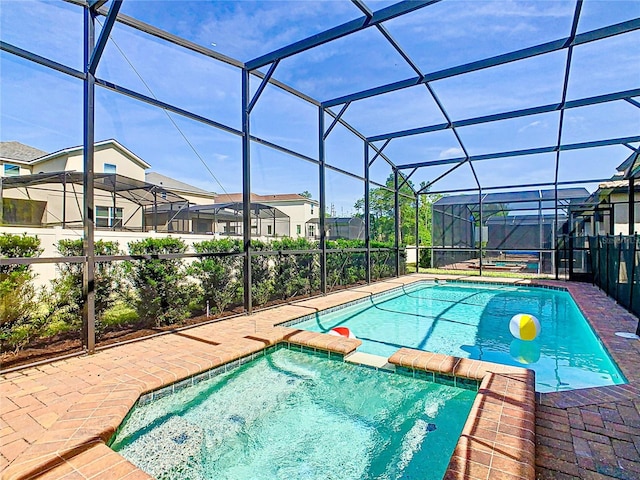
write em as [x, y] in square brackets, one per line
[56, 327]
[425, 258]
[220, 277]
[295, 274]
[345, 268]
[119, 315]
[383, 264]
[18, 305]
[349, 268]
[19, 335]
[261, 274]
[68, 299]
[15, 246]
[161, 285]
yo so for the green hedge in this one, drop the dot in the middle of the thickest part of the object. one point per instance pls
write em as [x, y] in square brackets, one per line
[158, 292]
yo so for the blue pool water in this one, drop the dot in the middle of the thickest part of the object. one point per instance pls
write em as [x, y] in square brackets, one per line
[472, 321]
[293, 415]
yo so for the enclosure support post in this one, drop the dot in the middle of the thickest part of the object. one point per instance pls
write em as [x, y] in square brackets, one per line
[569, 255]
[155, 211]
[88, 279]
[367, 218]
[540, 236]
[396, 211]
[606, 264]
[64, 200]
[554, 237]
[632, 213]
[617, 273]
[633, 275]
[246, 190]
[595, 259]
[323, 203]
[114, 199]
[480, 236]
[633, 278]
[430, 227]
[418, 233]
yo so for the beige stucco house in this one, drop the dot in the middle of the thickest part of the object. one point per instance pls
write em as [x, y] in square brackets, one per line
[53, 197]
[612, 198]
[109, 157]
[298, 208]
[607, 209]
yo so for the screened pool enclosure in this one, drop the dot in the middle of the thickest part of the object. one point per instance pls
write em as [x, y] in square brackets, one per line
[468, 135]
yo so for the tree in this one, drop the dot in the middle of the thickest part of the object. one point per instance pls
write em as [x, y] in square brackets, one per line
[382, 213]
[425, 212]
[306, 194]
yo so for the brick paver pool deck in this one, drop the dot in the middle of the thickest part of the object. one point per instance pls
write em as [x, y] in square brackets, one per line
[55, 418]
[594, 433]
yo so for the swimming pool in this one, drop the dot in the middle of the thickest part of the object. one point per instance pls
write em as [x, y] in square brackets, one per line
[471, 320]
[289, 414]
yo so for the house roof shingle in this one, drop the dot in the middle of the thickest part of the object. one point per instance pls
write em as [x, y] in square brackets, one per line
[173, 184]
[19, 151]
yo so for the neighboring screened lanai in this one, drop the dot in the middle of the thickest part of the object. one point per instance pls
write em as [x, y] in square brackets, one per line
[25, 201]
[517, 229]
[226, 218]
[504, 115]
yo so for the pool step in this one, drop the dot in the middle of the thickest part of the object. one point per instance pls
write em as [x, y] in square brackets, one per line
[370, 360]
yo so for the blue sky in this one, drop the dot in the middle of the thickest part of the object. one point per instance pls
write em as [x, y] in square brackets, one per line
[43, 108]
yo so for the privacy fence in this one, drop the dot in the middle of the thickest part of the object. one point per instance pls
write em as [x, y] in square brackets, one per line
[615, 264]
[612, 262]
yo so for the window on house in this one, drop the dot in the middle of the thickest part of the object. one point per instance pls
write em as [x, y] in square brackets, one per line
[109, 168]
[11, 170]
[108, 216]
[269, 230]
[312, 230]
[298, 229]
[312, 209]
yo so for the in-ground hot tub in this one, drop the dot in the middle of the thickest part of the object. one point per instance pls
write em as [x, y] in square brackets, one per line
[292, 414]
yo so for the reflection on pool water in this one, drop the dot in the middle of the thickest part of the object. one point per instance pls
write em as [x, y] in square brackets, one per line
[293, 415]
[472, 321]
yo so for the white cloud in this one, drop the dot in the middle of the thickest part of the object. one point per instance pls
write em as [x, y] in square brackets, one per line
[535, 124]
[220, 157]
[451, 152]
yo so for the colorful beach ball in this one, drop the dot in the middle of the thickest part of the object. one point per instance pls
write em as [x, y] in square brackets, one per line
[342, 332]
[524, 326]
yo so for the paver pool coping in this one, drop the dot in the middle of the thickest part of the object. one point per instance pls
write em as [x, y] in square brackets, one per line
[498, 438]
